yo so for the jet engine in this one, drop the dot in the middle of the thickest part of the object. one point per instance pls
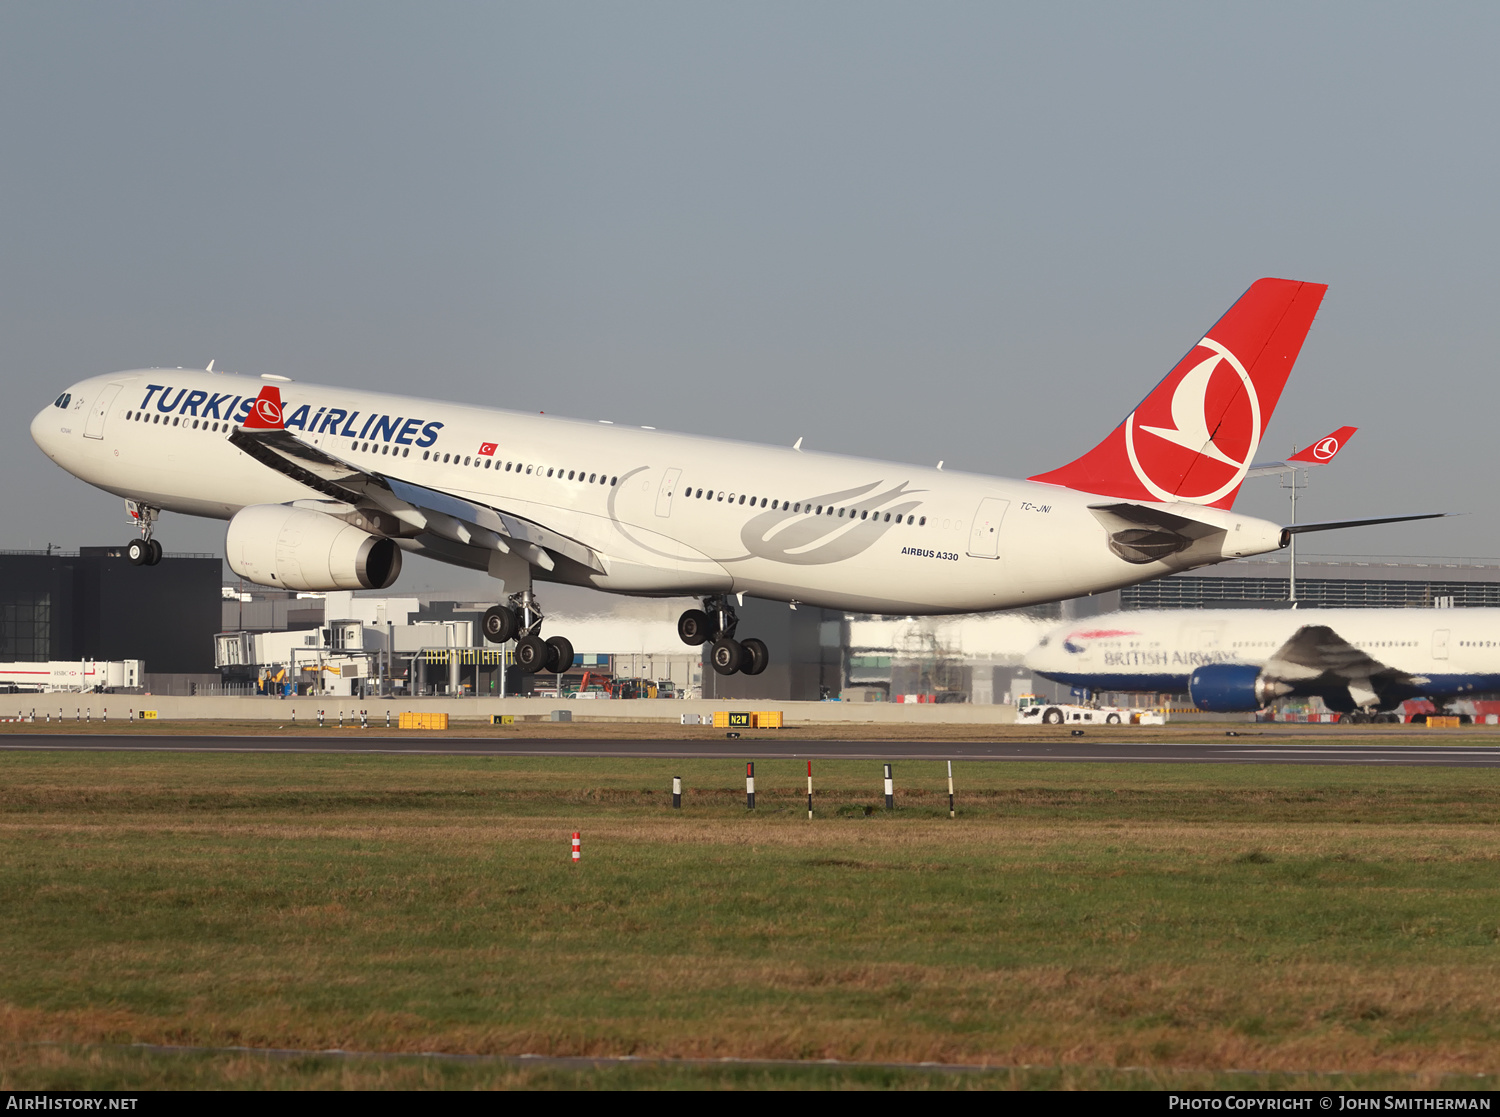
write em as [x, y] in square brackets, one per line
[1233, 688]
[299, 549]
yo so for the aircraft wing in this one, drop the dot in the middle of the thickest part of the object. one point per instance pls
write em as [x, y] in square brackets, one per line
[1316, 652]
[420, 508]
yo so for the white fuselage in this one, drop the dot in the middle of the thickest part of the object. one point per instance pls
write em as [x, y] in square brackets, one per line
[777, 523]
[1457, 651]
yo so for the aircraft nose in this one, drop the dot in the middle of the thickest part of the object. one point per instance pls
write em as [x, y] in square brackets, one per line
[46, 429]
[39, 427]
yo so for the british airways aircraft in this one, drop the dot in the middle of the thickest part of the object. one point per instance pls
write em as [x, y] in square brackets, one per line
[326, 487]
[1361, 662]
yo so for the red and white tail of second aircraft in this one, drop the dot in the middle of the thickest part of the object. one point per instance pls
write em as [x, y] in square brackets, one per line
[327, 487]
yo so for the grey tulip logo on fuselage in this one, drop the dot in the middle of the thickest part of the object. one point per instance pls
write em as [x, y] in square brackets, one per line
[796, 537]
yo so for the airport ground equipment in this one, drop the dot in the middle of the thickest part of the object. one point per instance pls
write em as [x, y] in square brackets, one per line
[1032, 710]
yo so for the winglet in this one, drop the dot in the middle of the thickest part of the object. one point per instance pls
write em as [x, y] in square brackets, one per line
[1322, 451]
[265, 412]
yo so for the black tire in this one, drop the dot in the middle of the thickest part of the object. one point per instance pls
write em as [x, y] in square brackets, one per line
[1112, 719]
[694, 628]
[756, 656]
[500, 624]
[726, 655]
[138, 551]
[559, 654]
[155, 553]
[1053, 716]
[531, 654]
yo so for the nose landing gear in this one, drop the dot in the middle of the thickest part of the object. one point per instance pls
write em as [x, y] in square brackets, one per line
[521, 621]
[717, 622]
[144, 551]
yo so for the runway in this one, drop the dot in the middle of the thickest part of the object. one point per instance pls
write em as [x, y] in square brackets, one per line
[1254, 750]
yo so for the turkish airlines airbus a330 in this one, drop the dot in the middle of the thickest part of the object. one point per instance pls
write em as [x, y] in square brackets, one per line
[325, 487]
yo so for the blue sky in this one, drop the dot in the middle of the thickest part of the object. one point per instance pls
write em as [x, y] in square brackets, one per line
[970, 232]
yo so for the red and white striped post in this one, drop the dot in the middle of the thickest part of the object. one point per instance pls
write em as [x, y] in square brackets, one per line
[809, 789]
[950, 789]
[577, 848]
[749, 785]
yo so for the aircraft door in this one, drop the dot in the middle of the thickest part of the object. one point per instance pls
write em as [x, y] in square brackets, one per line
[984, 534]
[1440, 644]
[669, 481]
[94, 428]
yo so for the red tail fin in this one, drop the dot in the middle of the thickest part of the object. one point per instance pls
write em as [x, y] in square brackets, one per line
[1193, 438]
[265, 412]
[1323, 450]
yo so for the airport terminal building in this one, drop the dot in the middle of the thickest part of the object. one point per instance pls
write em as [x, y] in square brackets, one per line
[195, 634]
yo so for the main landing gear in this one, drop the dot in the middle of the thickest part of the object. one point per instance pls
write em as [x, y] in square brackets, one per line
[716, 623]
[520, 621]
[144, 551]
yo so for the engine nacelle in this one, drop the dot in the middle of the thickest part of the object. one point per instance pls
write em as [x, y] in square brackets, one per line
[299, 549]
[1232, 688]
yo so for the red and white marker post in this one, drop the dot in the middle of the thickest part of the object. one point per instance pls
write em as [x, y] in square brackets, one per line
[950, 789]
[577, 848]
[809, 790]
[749, 785]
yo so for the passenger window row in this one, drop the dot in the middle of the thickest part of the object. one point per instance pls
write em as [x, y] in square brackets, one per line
[381, 448]
[176, 420]
[480, 461]
[787, 506]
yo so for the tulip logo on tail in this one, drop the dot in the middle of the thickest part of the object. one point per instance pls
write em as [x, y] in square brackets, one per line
[1326, 448]
[1216, 390]
[265, 412]
[1192, 439]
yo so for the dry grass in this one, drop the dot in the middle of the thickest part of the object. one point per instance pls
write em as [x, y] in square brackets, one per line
[1190, 921]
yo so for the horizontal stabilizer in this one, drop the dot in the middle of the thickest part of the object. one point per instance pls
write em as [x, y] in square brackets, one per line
[1289, 530]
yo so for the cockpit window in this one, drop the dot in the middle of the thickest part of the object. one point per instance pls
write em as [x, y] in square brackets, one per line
[63, 400]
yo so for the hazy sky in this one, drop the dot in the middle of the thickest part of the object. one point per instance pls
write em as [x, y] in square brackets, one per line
[974, 232]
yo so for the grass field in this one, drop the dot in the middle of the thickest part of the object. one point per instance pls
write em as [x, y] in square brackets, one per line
[1091, 925]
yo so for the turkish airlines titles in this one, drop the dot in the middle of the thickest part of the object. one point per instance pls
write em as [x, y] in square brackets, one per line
[327, 420]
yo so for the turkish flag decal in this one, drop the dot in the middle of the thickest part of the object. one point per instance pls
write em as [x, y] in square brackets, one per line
[487, 449]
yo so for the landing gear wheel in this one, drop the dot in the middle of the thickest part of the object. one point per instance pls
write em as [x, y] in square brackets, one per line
[727, 655]
[755, 658]
[531, 654]
[1053, 717]
[138, 551]
[155, 553]
[500, 624]
[559, 654]
[694, 627]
